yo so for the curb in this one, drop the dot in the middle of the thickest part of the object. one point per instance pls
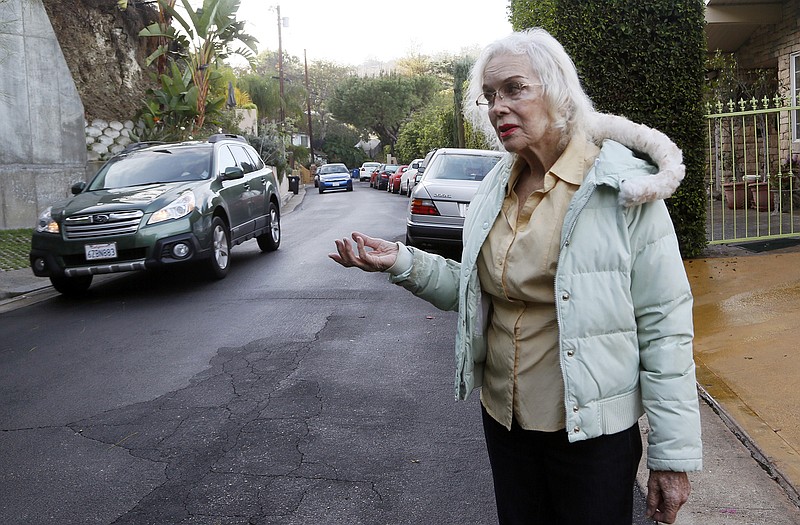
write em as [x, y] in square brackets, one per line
[750, 444]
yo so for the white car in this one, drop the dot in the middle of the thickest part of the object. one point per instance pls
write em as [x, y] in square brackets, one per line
[366, 169]
[407, 180]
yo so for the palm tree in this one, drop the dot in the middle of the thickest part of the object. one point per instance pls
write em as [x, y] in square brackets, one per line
[205, 37]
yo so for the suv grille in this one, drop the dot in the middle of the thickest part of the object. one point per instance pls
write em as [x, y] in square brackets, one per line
[102, 224]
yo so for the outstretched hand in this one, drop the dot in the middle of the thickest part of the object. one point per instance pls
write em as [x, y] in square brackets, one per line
[382, 254]
[666, 494]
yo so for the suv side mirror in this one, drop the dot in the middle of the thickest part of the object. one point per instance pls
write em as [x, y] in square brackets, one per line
[77, 187]
[233, 172]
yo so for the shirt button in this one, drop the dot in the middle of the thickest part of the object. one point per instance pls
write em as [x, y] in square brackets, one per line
[576, 429]
[570, 353]
[575, 408]
[565, 296]
[485, 225]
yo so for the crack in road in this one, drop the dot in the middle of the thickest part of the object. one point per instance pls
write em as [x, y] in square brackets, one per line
[233, 442]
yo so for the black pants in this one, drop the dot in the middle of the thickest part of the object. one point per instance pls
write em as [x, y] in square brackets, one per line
[541, 478]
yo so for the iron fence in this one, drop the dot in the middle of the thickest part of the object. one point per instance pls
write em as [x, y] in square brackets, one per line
[752, 174]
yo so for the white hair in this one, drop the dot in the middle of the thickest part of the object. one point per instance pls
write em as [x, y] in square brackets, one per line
[568, 106]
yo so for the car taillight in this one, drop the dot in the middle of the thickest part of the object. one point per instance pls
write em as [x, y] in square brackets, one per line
[423, 207]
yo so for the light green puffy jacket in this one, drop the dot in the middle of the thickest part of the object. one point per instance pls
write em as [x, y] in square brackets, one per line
[624, 306]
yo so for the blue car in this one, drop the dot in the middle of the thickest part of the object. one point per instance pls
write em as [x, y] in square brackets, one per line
[334, 177]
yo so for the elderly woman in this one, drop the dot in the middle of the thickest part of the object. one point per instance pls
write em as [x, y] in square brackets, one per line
[574, 311]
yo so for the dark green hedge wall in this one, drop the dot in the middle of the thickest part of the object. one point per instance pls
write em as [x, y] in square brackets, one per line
[643, 60]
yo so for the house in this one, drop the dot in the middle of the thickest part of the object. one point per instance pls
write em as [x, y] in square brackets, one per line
[753, 188]
[761, 34]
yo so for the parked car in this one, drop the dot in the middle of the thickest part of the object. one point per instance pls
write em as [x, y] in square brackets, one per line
[440, 201]
[334, 177]
[366, 169]
[407, 180]
[380, 177]
[393, 185]
[159, 204]
[374, 176]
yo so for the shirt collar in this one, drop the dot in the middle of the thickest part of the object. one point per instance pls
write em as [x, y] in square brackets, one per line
[570, 166]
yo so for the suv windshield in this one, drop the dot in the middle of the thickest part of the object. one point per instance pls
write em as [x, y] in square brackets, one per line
[460, 167]
[154, 166]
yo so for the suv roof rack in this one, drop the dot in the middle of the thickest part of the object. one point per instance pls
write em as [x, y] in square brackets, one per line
[220, 136]
[133, 146]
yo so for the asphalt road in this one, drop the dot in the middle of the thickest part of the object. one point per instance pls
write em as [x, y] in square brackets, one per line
[292, 392]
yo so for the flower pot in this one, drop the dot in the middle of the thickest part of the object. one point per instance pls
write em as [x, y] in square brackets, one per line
[761, 199]
[736, 195]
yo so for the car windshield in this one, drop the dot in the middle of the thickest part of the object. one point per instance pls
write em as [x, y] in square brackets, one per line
[461, 167]
[154, 166]
[332, 168]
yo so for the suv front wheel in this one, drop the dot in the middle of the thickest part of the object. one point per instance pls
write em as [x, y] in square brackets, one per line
[219, 262]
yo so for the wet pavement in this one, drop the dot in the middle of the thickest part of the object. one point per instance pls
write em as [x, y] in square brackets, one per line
[747, 316]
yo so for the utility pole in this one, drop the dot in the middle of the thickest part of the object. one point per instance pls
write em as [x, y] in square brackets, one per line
[308, 110]
[280, 70]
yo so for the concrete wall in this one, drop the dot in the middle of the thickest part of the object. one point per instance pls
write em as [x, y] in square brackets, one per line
[42, 140]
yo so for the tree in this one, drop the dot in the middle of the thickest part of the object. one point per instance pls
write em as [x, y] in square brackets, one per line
[430, 127]
[205, 37]
[340, 145]
[381, 104]
[644, 60]
[323, 77]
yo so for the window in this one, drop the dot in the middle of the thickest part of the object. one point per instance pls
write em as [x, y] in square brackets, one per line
[243, 159]
[224, 160]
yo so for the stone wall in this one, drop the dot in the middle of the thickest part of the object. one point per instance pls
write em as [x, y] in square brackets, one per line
[43, 146]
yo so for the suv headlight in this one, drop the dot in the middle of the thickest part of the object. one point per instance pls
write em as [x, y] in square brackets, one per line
[180, 207]
[46, 224]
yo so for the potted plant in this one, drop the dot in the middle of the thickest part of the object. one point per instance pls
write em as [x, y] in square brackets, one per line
[760, 196]
[736, 194]
[785, 189]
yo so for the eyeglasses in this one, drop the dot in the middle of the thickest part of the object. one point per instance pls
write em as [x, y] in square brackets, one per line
[512, 91]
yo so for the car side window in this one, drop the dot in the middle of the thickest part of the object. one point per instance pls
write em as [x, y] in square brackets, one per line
[257, 161]
[225, 160]
[243, 159]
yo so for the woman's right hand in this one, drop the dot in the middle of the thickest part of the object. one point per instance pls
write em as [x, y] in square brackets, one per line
[382, 254]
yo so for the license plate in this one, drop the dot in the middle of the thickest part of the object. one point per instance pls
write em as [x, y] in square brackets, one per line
[101, 251]
[462, 208]
[337, 183]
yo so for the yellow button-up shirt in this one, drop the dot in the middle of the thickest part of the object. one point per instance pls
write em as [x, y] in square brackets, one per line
[516, 267]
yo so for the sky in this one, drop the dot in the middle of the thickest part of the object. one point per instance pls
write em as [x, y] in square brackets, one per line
[351, 32]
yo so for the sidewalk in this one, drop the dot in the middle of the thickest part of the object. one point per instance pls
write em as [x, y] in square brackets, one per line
[746, 309]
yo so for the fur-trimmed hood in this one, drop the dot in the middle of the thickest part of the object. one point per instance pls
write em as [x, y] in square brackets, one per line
[640, 138]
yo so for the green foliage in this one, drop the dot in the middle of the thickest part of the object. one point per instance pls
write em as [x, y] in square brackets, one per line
[200, 41]
[727, 81]
[431, 127]
[339, 145]
[460, 75]
[534, 13]
[643, 60]
[381, 104]
[271, 147]
[170, 109]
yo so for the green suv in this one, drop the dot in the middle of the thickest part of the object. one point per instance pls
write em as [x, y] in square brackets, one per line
[158, 204]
